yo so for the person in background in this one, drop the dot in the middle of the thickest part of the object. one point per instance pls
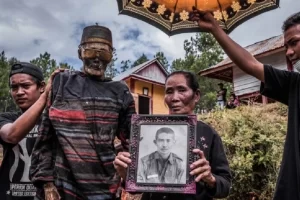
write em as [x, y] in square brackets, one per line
[221, 96]
[233, 101]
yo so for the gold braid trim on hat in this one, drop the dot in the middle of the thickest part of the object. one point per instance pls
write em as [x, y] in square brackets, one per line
[90, 40]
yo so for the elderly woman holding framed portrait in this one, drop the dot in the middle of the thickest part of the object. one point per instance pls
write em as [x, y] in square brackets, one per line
[210, 170]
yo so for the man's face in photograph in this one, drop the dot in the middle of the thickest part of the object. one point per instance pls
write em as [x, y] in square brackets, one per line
[164, 143]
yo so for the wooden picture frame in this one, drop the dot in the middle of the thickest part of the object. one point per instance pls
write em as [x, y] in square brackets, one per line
[161, 153]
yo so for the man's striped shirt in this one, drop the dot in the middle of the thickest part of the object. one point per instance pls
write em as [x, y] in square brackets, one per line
[75, 147]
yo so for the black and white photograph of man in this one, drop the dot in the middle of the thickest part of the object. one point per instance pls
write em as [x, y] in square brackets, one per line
[162, 154]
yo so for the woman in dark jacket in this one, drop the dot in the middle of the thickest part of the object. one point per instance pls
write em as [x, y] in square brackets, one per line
[211, 170]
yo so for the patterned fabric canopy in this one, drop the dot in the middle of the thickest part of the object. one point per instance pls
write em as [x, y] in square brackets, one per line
[174, 16]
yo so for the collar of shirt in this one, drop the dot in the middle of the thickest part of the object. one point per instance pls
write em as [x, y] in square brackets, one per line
[157, 156]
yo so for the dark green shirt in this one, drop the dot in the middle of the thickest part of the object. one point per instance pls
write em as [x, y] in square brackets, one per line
[155, 169]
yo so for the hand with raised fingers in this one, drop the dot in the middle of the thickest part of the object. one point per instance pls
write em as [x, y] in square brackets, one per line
[121, 163]
[205, 20]
[202, 170]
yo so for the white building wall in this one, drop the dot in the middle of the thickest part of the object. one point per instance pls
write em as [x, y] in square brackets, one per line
[245, 84]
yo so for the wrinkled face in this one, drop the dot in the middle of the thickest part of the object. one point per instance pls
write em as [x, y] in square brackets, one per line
[292, 43]
[179, 97]
[95, 57]
[164, 143]
[24, 90]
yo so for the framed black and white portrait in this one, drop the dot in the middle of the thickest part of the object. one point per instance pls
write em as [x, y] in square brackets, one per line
[161, 151]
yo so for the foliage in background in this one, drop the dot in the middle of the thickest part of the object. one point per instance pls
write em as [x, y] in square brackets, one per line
[143, 58]
[201, 52]
[48, 65]
[253, 137]
[111, 70]
[44, 61]
[6, 101]
[125, 65]
[163, 60]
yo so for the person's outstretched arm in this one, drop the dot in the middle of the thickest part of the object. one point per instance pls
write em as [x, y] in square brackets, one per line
[241, 57]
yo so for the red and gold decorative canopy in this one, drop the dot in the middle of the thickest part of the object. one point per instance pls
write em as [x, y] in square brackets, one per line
[174, 16]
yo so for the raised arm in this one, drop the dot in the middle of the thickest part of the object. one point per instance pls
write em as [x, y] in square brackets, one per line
[241, 57]
[14, 132]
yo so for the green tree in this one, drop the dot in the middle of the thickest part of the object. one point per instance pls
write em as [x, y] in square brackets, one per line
[111, 70]
[184, 64]
[143, 58]
[45, 62]
[125, 65]
[6, 101]
[48, 65]
[65, 66]
[4, 70]
[162, 59]
[201, 52]
[253, 137]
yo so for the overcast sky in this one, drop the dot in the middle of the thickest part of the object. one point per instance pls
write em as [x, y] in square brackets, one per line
[31, 27]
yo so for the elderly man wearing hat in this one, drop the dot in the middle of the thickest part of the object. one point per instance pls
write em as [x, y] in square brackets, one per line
[74, 154]
[18, 130]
